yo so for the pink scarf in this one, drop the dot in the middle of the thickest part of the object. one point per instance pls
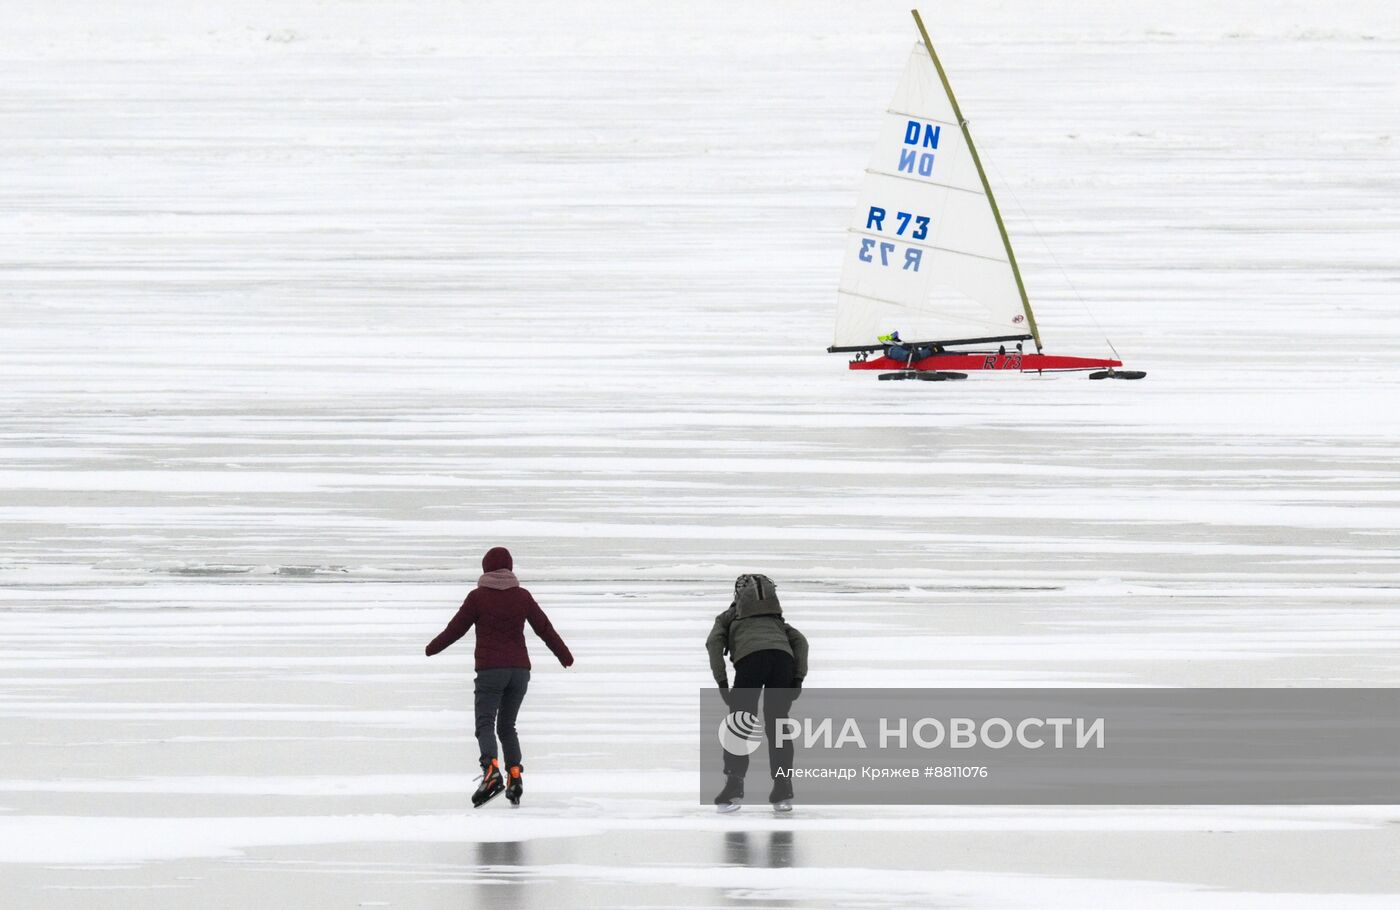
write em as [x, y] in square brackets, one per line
[498, 580]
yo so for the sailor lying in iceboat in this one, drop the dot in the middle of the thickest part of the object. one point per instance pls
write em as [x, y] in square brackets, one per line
[898, 350]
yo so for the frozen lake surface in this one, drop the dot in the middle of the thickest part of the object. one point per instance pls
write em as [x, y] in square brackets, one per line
[305, 305]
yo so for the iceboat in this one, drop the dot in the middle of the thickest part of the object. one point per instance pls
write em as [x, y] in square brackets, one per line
[928, 259]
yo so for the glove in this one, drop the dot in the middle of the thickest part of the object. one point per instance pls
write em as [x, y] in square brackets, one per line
[796, 689]
[724, 694]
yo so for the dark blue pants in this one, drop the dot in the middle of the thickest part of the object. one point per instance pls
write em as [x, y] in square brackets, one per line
[498, 696]
[901, 353]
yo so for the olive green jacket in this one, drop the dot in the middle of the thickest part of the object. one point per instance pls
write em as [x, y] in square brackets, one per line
[753, 624]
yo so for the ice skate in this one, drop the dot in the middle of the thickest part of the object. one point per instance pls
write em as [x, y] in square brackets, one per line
[732, 796]
[515, 786]
[491, 784]
[781, 794]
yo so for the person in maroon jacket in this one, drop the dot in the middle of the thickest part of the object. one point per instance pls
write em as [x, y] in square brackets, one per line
[499, 608]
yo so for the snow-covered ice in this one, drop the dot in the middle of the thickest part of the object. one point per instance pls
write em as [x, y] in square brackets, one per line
[306, 304]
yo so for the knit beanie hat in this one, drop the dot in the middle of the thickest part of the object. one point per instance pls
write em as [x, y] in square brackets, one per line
[496, 558]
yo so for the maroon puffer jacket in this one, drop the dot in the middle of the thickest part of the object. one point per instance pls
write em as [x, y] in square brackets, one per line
[500, 617]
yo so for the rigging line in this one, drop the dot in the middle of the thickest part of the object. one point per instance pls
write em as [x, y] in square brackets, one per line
[1001, 180]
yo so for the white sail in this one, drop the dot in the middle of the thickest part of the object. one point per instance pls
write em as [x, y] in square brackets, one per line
[924, 253]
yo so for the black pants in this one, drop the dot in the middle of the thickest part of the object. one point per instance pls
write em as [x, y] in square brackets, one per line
[772, 670]
[498, 697]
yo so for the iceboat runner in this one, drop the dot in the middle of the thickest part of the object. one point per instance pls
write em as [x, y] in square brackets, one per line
[928, 256]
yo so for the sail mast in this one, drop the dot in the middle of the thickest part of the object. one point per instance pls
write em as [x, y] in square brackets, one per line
[986, 186]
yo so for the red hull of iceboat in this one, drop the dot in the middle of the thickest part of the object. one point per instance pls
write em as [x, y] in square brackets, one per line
[1023, 363]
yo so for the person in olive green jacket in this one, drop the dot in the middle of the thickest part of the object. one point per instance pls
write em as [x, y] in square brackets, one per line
[767, 653]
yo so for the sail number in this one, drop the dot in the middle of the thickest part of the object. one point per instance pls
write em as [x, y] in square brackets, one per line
[875, 221]
[869, 247]
[912, 256]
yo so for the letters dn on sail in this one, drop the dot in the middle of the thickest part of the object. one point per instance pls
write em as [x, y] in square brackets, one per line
[917, 137]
